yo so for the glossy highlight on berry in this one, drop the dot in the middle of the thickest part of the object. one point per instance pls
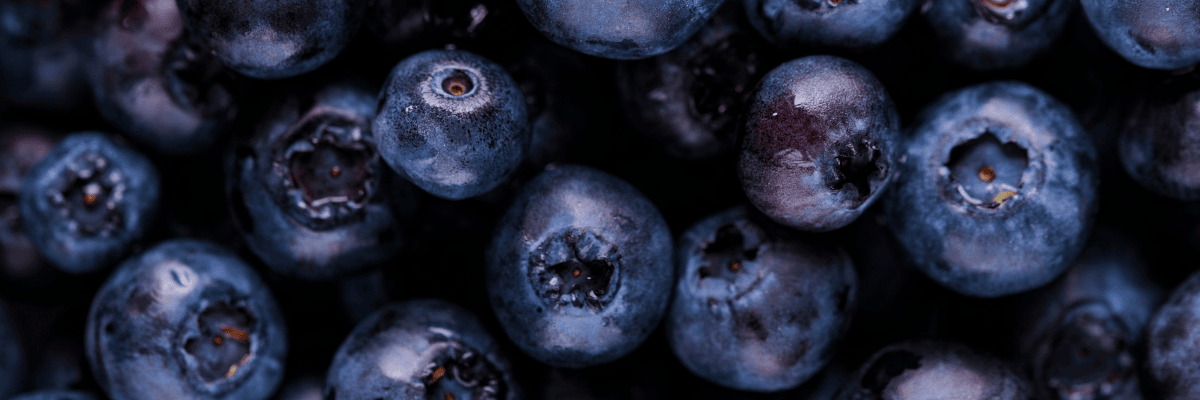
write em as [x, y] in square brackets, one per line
[818, 143]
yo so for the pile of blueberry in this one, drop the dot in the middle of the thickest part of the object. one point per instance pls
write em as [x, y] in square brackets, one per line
[593, 200]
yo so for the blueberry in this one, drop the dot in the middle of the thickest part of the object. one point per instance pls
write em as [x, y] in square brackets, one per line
[308, 189]
[620, 30]
[579, 270]
[996, 190]
[558, 85]
[688, 100]
[88, 201]
[406, 26]
[1159, 34]
[156, 82]
[11, 358]
[452, 122]
[817, 143]
[757, 306]
[1172, 358]
[45, 52]
[919, 370]
[1160, 141]
[421, 349]
[272, 39]
[853, 25]
[987, 35]
[1079, 332]
[186, 319]
[21, 266]
[55, 395]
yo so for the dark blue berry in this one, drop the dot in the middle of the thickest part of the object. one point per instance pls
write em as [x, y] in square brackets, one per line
[1172, 353]
[997, 189]
[1159, 34]
[920, 370]
[828, 24]
[22, 269]
[156, 82]
[818, 143]
[757, 306]
[309, 191]
[452, 122]
[46, 49]
[558, 85]
[1160, 142]
[688, 100]
[407, 26]
[186, 320]
[621, 30]
[579, 270]
[88, 201]
[272, 39]
[1078, 334]
[988, 35]
[420, 350]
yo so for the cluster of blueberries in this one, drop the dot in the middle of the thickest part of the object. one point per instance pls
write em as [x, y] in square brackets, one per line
[578, 199]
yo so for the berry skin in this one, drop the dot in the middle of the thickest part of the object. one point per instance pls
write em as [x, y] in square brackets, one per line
[818, 143]
[451, 122]
[854, 25]
[757, 307]
[273, 39]
[987, 35]
[921, 370]
[1172, 357]
[579, 270]
[11, 357]
[1078, 335]
[309, 191]
[688, 100]
[87, 202]
[420, 350]
[1158, 34]
[623, 30]
[1160, 141]
[186, 320]
[156, 82]
[996, 191]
